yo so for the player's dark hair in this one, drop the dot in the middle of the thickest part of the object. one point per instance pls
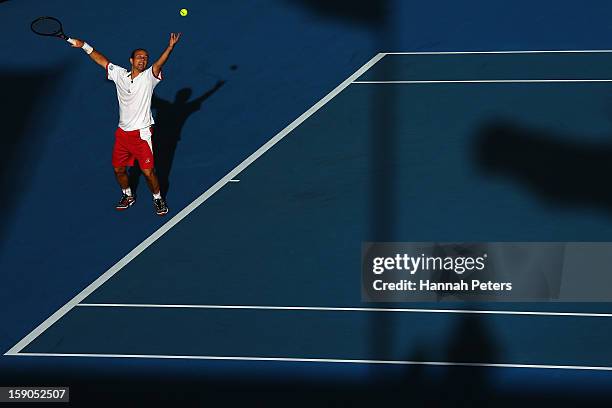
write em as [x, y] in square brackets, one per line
[138, 49]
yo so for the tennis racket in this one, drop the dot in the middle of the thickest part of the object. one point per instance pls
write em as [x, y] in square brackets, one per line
[49, 27]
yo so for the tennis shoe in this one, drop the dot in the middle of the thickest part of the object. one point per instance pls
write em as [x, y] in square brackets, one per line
[126, 202]
[160, 206]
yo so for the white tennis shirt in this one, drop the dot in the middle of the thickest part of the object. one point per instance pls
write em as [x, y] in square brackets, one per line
[134, 96]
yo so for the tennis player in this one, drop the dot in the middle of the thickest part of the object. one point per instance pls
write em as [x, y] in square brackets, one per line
[133, 135]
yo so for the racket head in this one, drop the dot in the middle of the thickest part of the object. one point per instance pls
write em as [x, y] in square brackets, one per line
[48, 26]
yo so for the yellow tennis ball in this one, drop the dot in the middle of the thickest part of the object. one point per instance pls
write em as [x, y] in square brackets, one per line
[183, 12]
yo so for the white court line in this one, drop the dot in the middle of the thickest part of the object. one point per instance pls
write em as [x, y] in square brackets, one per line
[485, 81]
[187, 210]
[499, 52]
[322, 360]
[345, 309]
[234, 181]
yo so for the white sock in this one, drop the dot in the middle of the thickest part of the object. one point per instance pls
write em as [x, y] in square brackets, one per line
[157, 196]
[127, 191]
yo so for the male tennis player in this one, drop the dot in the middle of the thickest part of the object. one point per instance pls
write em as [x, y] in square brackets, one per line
[133, 135]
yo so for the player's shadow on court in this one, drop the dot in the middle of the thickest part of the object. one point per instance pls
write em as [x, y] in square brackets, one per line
[556, 169]
[170, 117]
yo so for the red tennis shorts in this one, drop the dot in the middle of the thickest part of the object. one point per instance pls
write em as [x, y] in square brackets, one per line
[129, 147]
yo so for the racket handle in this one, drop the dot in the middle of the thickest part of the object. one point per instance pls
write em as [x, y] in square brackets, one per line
[72, 41]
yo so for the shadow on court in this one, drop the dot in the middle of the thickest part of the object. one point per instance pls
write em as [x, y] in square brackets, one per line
[170, 117]
[367, 13]
[470, 342]
[194, 383]
[21, 139]
[384, 184]
[561, 172]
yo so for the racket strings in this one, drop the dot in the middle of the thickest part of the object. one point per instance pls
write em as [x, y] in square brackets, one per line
[47, 26]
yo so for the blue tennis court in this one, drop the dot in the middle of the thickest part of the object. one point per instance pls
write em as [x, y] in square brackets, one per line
[265, 265]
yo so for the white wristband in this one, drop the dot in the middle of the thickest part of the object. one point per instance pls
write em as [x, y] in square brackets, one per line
[87, 48]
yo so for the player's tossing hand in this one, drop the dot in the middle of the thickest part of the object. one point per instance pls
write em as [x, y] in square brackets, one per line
[174, 38]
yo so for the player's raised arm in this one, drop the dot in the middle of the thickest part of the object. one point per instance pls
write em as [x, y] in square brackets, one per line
[157, 66]
[98, 58]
